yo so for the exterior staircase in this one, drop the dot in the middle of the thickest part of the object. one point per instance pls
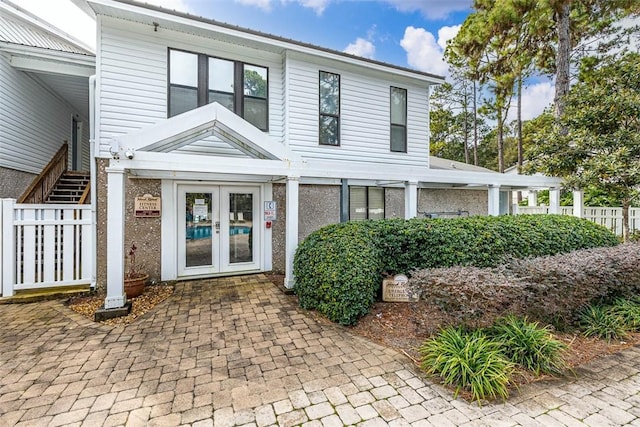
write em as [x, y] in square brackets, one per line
[56, 184]
[70, 188]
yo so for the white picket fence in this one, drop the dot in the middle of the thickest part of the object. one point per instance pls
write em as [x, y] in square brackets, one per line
[609, 217]
[44, 246]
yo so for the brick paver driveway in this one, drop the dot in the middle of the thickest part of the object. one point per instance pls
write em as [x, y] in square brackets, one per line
[236, 351]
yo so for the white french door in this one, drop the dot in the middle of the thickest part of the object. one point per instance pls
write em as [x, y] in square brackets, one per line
[218, 229]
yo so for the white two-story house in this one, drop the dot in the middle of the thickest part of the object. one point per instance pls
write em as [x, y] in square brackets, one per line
[219, 148]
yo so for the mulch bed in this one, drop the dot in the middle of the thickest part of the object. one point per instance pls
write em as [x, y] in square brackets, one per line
[152, 296]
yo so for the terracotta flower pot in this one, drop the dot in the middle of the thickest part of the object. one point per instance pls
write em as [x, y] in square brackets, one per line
[135, 286]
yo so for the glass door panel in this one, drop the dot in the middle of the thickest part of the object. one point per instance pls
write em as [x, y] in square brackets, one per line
[240, 227]
[198, 230]
[240, 233]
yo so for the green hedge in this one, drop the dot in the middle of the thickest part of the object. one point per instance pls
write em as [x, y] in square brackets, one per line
[339, 268]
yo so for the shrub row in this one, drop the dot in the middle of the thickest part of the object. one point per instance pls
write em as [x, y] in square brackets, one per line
[339, 268]
[551, 289]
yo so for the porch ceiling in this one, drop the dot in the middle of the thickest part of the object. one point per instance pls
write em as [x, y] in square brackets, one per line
[73, 89]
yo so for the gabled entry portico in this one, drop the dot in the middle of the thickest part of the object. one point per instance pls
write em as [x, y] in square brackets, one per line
[200, 194]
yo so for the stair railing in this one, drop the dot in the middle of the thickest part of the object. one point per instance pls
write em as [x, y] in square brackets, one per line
[43, 184]
[85, 194]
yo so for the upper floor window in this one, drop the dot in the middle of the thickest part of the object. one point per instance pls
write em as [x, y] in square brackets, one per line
[329, 127]
[196, 79]
[183, 82]
[366, 203]
[398, 119]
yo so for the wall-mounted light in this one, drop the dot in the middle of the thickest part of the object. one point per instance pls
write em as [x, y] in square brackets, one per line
[155, 27]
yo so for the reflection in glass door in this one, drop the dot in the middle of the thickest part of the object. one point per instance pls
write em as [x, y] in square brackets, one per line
[198, 230]
[240, 227]
[240, 235]
[218, 229]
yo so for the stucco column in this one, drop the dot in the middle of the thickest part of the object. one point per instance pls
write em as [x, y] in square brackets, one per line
[532, 198]
[410, 199]
[554, 201]
[291, 229]
[493, 194]
[116, 297]
[578, 203]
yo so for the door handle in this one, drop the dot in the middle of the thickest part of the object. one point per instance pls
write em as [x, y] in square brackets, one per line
[217, 225]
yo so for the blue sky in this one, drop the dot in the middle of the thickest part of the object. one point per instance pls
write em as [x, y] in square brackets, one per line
[411, 33]
[372, 28]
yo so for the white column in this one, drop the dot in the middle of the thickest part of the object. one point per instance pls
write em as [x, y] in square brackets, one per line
[532, 198]
[554, 201]
[410, 199]
[578, 203]
[494, 200]
[291, 229]
[7, 247]
[116, 297]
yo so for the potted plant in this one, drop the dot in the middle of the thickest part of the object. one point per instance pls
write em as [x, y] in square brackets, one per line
[135, 278]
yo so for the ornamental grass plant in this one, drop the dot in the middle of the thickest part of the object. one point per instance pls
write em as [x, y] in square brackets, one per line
[468, 361]
[529, 345]
[600, 321]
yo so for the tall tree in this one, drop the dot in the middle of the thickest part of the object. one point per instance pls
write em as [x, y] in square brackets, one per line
[596, 142]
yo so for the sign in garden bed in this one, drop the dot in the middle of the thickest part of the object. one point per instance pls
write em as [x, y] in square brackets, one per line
[396, 289]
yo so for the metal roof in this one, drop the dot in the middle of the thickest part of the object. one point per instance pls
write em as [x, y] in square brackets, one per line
[20, 27]
[446, 164]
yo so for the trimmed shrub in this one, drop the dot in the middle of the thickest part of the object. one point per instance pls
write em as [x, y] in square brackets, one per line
[469, 361]
[550, 289]
[339, 268]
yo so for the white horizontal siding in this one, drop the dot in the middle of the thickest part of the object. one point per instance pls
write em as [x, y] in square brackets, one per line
[34, 121]
[364, 118]
[133, 80]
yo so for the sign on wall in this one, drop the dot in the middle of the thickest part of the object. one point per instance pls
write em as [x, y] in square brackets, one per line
[147, 206]
[270, 210]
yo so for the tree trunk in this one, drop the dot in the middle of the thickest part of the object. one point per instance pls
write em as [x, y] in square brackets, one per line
[465, 115]
[500, 140]
[625, 220]
[520, 152]
[562, 56]
[475, 125]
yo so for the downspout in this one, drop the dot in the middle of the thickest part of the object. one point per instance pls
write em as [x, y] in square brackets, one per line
[93, 182]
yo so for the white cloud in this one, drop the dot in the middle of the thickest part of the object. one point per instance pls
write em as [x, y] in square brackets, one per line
[361, 47]
[432, 9]
[424, 52]
[535, 98]
[317, 5]
[447, 33]
[262, 4]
